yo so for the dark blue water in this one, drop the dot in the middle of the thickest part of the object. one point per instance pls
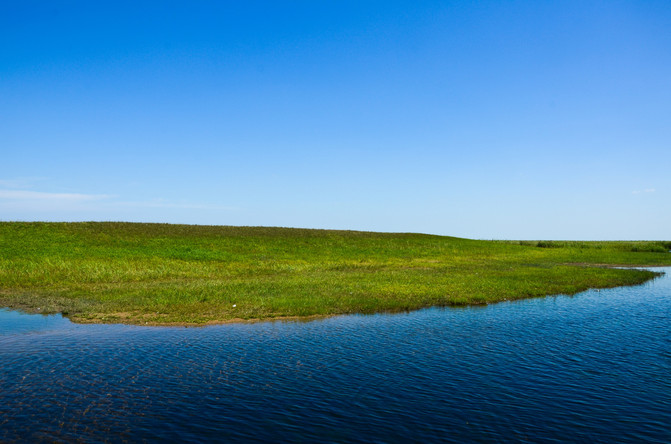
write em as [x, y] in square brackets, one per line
[594, 367]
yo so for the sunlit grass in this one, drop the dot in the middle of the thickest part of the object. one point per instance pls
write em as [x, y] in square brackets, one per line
[179, 274]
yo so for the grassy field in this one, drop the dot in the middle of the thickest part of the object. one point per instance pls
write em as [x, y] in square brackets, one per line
[162, 274]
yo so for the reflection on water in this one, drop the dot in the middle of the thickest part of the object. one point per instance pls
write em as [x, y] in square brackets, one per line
[14, 322]
[594, 367]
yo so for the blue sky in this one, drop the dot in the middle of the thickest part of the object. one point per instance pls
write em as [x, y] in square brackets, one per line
[506, 119]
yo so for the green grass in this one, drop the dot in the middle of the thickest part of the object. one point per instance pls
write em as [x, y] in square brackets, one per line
[164, 274]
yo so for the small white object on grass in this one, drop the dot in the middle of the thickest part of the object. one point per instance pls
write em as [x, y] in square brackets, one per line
[235, 305]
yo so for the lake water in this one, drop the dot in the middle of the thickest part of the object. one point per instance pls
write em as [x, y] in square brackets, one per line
[593, 367]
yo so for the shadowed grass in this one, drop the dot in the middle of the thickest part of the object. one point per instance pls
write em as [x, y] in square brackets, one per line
[182, 274]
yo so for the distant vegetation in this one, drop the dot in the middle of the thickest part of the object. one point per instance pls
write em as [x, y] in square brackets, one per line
[181, 274]
[634, 246]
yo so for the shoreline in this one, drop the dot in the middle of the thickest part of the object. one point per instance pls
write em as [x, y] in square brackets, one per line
[316, 317]
[175, 275]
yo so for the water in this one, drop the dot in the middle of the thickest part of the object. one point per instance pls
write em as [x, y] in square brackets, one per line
[594, 367]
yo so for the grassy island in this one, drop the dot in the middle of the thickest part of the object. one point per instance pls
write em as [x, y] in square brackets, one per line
[161, 274]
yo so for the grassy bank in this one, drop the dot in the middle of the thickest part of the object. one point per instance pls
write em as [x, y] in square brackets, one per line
[179, 274]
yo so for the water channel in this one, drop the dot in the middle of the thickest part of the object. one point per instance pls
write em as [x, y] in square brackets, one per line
[591, 367]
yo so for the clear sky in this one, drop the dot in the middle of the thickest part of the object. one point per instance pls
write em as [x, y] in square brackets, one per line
[502, 119]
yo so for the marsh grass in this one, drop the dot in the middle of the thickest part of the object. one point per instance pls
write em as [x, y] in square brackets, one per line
[180, 274]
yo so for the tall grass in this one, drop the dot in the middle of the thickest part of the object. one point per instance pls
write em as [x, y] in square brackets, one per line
[182, 274]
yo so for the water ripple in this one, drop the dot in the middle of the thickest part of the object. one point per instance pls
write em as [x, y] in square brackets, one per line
[595, 367]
